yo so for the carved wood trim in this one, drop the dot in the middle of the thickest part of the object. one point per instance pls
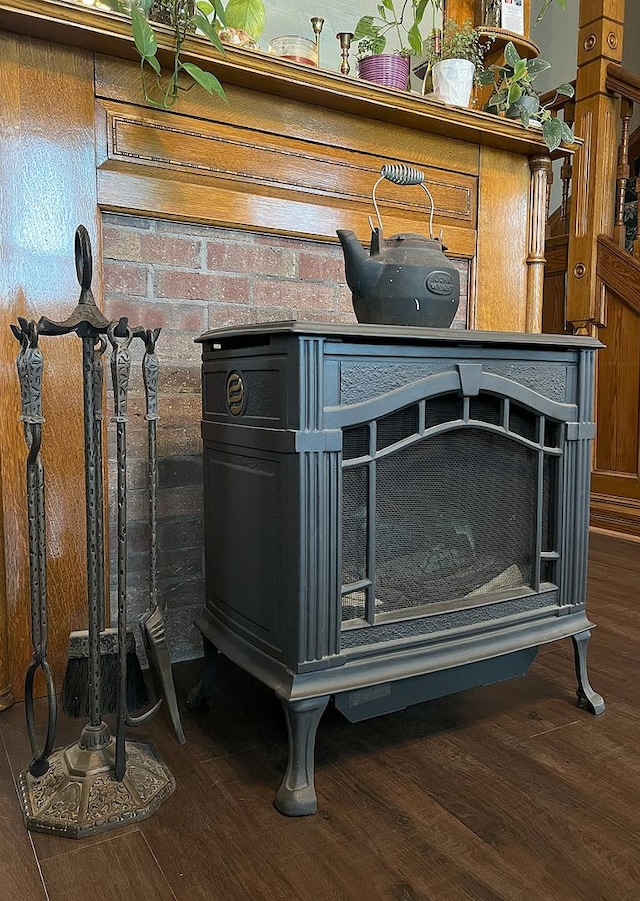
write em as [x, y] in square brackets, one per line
[615, 514]
[620, 272]
[249, 157]
[623, 82]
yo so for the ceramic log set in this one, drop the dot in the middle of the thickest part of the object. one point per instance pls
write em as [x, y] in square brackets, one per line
[405, 279]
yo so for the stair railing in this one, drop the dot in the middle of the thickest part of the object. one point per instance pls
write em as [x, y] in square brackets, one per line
[626, 85]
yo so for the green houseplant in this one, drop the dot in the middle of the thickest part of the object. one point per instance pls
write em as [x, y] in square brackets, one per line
[455, 58]
[403, 23]
[185, 17]
[515, 97]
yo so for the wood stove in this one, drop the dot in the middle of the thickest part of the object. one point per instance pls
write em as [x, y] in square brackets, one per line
[391, 514]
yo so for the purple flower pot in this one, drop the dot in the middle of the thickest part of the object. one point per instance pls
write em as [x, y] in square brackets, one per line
[388, 69]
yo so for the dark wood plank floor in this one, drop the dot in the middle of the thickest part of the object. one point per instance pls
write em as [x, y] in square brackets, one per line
[507, 792]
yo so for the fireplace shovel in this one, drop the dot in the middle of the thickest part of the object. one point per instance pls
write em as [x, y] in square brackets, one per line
[152, 623]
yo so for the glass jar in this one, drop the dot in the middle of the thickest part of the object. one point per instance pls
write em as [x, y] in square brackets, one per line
[297, 49]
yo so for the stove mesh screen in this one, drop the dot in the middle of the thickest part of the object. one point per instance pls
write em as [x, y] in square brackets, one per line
[454, 518]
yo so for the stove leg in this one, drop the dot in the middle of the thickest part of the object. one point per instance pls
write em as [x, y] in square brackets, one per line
[587, 698]
[202, 694]
[296, 797]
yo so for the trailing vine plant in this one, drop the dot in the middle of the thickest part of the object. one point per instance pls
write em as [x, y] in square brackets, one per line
[187, 17]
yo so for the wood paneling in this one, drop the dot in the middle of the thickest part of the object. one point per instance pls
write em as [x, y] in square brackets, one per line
[553, 309]
[503, 208]
[618, 396]
[48, 187]
[616, 477]
[246, 175]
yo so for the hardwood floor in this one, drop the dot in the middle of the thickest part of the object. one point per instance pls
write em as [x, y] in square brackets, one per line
[506, 792]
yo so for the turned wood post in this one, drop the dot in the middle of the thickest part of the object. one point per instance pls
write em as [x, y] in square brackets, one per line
[623, 170]
[540, 165]
[592, 203]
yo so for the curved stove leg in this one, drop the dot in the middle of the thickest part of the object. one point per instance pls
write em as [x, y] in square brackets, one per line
[296, 797]
[587, 698]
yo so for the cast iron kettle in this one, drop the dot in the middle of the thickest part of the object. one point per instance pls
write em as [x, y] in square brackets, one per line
[405, 279]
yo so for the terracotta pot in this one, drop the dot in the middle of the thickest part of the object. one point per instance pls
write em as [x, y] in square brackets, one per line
[388, 69]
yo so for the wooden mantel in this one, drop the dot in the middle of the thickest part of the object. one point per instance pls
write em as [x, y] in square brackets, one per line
[295, 152]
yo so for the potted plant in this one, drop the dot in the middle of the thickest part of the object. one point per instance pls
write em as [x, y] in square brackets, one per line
[515, 97]
[184, 17]
[455, 59]
[390, 69]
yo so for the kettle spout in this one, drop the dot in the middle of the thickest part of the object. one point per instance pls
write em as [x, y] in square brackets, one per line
[361, 270]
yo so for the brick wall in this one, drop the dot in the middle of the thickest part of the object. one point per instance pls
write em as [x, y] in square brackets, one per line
[187, 279]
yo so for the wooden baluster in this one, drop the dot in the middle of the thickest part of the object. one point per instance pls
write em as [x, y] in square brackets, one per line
[623, 171]
[636, 240]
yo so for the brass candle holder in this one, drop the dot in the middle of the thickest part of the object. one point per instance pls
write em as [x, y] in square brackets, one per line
[317, 23]
[345, 38]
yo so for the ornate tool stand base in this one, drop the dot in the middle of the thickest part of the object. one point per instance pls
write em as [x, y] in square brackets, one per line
[79, 794]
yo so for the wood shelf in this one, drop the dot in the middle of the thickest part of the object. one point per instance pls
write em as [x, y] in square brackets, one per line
[110, 33]
[525, 47]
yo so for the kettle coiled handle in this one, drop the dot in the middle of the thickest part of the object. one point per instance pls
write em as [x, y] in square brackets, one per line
[400, 174]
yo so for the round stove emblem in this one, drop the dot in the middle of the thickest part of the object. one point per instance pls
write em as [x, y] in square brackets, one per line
[235, 393]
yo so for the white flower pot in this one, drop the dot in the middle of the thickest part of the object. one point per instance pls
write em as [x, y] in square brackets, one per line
[453, 80]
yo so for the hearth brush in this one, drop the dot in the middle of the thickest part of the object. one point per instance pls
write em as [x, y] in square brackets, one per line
[152, 623]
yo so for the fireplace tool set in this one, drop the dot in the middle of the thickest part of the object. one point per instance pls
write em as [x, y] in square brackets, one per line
[97, 783]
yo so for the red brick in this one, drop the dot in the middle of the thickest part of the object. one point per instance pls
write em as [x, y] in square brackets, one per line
[322, 267]
[221, 316]
[181, 502]
[179, 441]
[119, 220]
[121, 244]
[198, 286]
[294, 294]
[170, 251]
[344, 300]
[178, 348]
[179, 317]
[232, 257]
[178, 380]
[280, 241]
[210, 232]
[125, 278]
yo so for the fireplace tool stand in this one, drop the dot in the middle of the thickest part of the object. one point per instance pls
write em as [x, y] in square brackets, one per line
[98, 783]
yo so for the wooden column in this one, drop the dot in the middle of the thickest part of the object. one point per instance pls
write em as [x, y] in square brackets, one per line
[6, 696]
[592, 203]
[47, 172]
[540, 173]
